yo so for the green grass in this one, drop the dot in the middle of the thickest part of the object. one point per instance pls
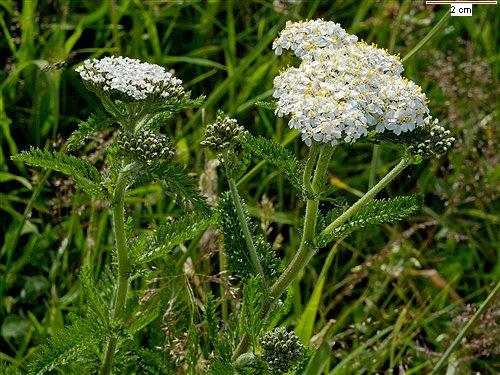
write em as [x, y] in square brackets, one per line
[387, 296]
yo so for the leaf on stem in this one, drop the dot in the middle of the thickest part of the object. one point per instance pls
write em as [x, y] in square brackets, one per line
[180, 184]
[96, 122]
[277, 155]
[374, 213]
[167, 237]
[252, 308]
[266, 105]
[239, 261]
[86, 176]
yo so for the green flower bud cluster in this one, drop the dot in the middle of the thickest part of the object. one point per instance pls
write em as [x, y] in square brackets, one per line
[282, 350]
[437, 142]
[146, 147]
[222, 134]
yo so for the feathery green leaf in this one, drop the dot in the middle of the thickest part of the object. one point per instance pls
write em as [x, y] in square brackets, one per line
[86, 176]
[277, 155]
[180, 184]
[96, 122]
[84, 335]
[266, 105]
[95, 302]
[168, 236]
[239, 261]
[177, 104]
[377, 212]
[252, 309]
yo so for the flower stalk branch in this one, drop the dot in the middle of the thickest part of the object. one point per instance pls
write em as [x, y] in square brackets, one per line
[368, 196]
[123, 278]
[305, 251]
[246, 231]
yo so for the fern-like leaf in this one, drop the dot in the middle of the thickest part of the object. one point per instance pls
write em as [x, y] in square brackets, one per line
[281, 309]
[253, 308]
[277, 155]
[239, 261]
[96, 122]
[95, 302]
[86, 176]
[152, 362]
[168, 236]
[221, 367]
[83, 336]
[377, 212]
[180, 184]
[177, 104]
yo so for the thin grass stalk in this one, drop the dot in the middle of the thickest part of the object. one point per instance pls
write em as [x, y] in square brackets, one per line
[464, 330]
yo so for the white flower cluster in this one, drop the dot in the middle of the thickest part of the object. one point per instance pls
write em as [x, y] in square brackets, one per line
[131, 78]
[343, 88]
[308, 38]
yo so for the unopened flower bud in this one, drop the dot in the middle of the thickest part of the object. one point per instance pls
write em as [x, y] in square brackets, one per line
[282, 350]
[222, 134]
[146, 147]
[438, 140]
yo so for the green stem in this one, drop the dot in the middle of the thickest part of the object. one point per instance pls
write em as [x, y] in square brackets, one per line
[302, 256]
[246, 231]
[311, 161]
[123, 277]
[464, 330]
[373, 166]
[305, 251]
[365, 198]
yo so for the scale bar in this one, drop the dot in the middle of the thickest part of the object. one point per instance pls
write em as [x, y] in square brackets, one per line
[478, 2]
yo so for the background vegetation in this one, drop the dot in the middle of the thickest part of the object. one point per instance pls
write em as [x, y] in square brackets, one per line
[391, 299]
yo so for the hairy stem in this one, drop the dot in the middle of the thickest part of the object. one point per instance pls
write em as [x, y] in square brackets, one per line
[308, 170]
[121, 250]
[368, 196]
[303, 254]
[246, 231]
[305, 251]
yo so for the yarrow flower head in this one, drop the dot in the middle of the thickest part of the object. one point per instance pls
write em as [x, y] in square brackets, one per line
[146, 147]
[223, 133]
[341, 91]
[307, 38]
[129, 79]
[282, 350]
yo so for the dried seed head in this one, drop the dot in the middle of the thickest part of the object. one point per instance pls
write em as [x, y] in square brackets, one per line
[146, 147]
[282, 350]
[222, 134]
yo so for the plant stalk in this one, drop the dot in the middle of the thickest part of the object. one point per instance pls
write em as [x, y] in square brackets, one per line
[368, 196]
[246, 231]
[123, 277]
[302, 256]
[305, 251]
